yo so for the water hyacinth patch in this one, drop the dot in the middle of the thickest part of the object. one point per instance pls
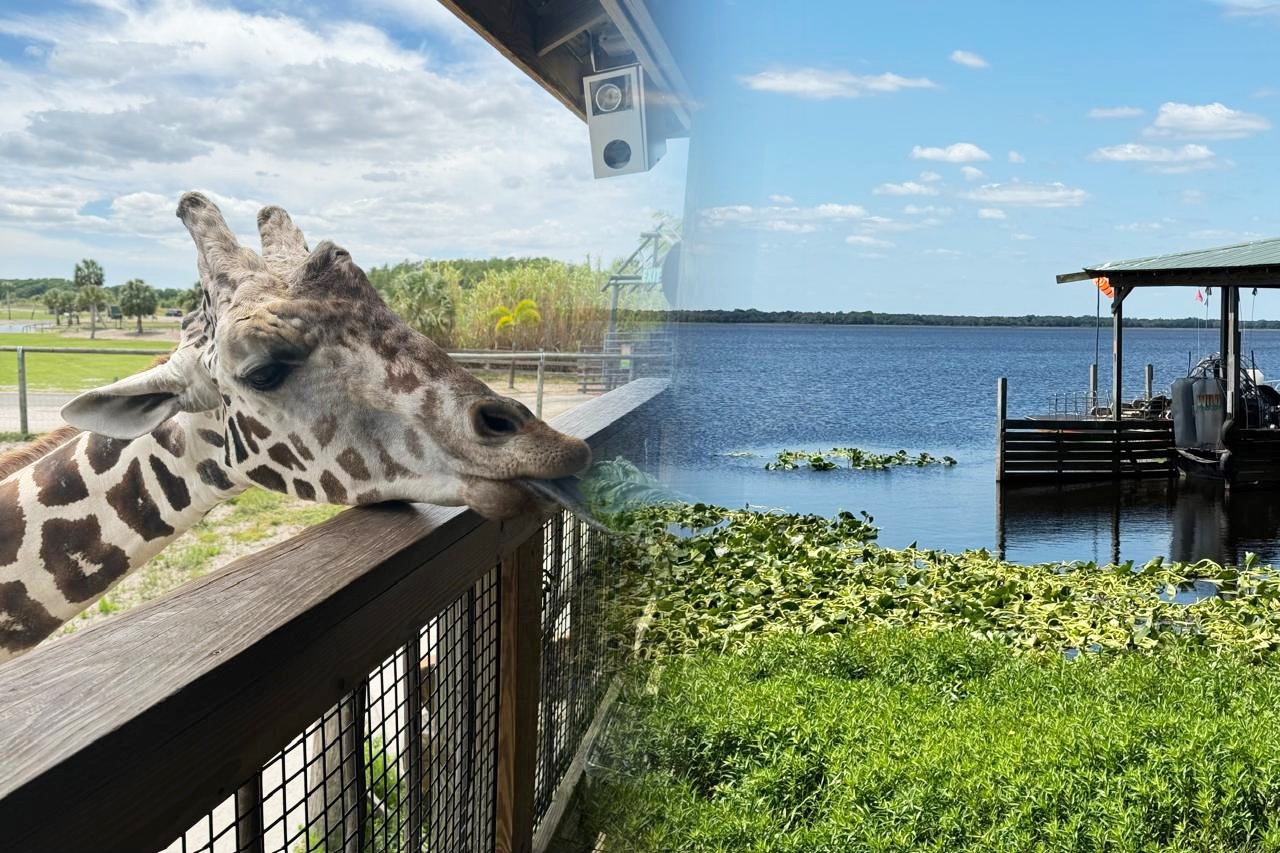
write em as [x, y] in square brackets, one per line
[747, 573]
[856, 458]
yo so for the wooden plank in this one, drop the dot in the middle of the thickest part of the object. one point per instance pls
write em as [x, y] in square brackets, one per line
[1084, 438]
[520, 612]
[1070, 425]
[553, 30]
[145, 723]
[1105, 465]
[1002, 412]
[1027, 478]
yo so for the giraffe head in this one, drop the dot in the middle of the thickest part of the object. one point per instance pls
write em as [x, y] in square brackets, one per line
[312, 386]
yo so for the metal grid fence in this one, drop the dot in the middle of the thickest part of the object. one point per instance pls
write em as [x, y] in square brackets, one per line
[407, 761]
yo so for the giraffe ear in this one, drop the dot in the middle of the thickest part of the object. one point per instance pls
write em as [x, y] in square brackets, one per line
[129, 408]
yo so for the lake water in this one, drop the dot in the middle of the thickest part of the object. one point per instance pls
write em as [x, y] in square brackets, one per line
[763, 388]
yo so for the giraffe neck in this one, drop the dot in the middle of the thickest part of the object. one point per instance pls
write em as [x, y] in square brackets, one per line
[85, 515]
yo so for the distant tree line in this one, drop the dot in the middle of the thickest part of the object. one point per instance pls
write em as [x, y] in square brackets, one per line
[34, 289]
[877, 318]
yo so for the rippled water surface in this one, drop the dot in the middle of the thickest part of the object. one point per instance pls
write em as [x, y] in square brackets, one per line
[763, 388]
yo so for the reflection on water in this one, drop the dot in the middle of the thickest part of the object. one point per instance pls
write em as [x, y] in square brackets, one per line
[1204, 519]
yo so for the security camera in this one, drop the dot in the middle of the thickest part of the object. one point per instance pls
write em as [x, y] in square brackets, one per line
[623, 138]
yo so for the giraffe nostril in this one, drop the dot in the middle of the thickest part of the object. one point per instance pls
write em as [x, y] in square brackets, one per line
[494, 419]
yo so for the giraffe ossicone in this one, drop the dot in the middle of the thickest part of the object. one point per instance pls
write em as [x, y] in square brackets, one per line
[293, 375]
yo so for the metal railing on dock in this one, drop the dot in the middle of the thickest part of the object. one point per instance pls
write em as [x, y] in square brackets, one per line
[399, 678]
[1049, 450]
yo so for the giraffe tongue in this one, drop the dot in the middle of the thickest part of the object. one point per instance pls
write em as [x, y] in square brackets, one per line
[564, 492]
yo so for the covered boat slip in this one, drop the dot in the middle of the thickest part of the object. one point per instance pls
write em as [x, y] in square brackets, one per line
[1122, 445]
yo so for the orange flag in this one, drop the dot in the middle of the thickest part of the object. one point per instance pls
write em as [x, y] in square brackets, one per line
[1105, 286]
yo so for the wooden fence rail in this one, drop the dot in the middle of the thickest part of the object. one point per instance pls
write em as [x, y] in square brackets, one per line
[372, 684]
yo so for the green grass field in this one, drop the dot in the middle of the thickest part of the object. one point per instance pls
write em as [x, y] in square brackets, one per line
[67, 372]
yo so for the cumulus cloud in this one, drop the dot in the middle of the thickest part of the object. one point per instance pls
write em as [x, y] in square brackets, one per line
[870, 242]
[1205, 121]
[991, 213]
[1115, 112]
[970, 60]
[926, 210]
[972, 173]
[1250, 7]
[930, 177]
[959, 152]
[823, 84]
[784, 218]
[1015, 157]
[781, 199]
[905, 188]
[374, 144]
[1186, 158]
[1019, 194]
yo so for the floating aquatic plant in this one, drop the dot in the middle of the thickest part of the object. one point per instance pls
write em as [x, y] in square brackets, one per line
[857, 459]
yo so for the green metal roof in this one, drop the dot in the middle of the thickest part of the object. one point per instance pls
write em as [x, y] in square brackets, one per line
[1253, 264]
[1256, 253]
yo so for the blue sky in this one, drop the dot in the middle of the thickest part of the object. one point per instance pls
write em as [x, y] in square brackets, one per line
[952, 157]
[385, 125]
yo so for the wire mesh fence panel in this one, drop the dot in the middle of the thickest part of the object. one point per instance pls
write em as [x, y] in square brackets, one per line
[405, 762]
[576, 664]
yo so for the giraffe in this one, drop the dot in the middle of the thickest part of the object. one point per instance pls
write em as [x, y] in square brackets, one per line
[293, 375]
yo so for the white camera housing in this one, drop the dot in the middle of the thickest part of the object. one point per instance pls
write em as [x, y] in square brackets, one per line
[622, 136]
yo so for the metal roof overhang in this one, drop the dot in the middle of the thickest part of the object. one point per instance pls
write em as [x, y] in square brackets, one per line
[1255, 264]
[553, 42]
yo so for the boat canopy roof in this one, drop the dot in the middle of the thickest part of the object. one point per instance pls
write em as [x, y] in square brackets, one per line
[1253, 264]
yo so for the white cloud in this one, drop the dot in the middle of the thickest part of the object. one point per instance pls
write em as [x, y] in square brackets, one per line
[1015, 157]
[930, 177]
[1017, 193]
[876, 224]
[783, 218]
[926, 210]
[972, 173]
[1250, 7]
[992, 213]
[864, 240]
[1169, 160]
[1140, 227]
[1205, 121]
[824, 84]
[1023, 237]
[1192, 196]
[970, 60]
[959, 152]
[905, 188]
[948, 253]
[1115, 112]
[369, 143]
[781, 199]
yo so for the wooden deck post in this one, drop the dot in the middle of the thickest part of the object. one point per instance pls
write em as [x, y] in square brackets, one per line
[1117, 352]
[1231, 346]
[519, 671]
[1093, 389]
[1151, 376]
[1002, 411]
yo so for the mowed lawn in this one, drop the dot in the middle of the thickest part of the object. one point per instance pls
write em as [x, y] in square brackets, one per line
[69, 371]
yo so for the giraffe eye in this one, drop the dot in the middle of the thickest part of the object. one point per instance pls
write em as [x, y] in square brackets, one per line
[267, 377]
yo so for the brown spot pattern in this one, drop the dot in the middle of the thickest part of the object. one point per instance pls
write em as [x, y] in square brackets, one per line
[402, 381]
[251, 429]
[70, 545]
[211, 437]
[211, 474]
[13, 524]
[132, 502]
[353, 463]
[175, 490]
[23, 620]
[300, 446]
[241, 453]
[413, 443]
[334, 493]
[372, 496]
[283, 456]
[104, 452]
[268, 478]
[325, 429]
[58, 477]
[171, 437]
[392, 469]
[304, 490]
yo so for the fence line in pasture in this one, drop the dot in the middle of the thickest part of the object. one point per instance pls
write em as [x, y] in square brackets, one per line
[596, 372]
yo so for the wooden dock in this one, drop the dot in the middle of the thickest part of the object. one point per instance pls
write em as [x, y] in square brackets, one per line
[1034, 450]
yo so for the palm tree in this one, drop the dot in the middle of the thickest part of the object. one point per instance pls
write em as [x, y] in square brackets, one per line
[92, 299]
[57, 300]
[422, 299]
[525, 313]
[88, 274]
[136, 299]
[6, 290]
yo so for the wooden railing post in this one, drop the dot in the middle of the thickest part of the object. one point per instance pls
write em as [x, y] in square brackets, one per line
[519, 670]
[1002, 412]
